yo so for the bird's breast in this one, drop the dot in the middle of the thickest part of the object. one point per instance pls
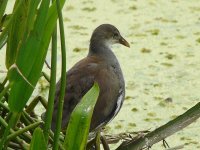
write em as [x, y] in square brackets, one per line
[111, 96]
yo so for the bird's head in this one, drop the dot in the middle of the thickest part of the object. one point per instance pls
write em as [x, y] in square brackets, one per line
[109, 35]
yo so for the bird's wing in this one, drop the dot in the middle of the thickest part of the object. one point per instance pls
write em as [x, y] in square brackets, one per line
[79, 79]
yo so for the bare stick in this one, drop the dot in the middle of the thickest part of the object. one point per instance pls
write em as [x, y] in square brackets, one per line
[164, 131]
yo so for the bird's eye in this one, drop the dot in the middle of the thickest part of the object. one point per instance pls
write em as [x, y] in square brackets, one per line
[115, 35]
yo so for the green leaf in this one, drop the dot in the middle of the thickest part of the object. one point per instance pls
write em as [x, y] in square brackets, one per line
[31, 56]
[79, 124]
[21, 83]
[15, 33]
[38, 141]
[20, 28]
[32, 11]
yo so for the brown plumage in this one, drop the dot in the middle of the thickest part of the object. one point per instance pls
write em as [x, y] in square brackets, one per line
[99, 66]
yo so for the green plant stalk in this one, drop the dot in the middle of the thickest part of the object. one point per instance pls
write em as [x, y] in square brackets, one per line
[63, 78]
[51, 135]
[97, 140]
[8, 116]
[19, 132]
[28, 116]
[5, 81]
[13, 145]
[3, 122]
[46, 76]
[20, 141]
[3, 100]
[23, 116]
[26, 137]
[52, 89]
[4, 106]
[32, 105]
[12, 122]
[25, 120]
[4, 91]
[43, 101]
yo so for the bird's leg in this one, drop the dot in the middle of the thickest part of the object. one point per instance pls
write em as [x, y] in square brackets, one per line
[100, 139]
[104, 143]
[97, 140]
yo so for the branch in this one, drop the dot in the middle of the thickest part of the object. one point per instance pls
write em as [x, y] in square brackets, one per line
[164, 131]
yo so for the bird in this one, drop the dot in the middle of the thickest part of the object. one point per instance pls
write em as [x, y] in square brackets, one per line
[100, 66]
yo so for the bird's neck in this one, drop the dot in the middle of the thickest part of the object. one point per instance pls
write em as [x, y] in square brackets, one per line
[101, 49]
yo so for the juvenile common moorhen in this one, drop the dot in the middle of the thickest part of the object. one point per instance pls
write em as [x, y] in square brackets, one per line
[101, 66]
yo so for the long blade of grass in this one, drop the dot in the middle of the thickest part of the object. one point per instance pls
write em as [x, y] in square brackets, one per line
[20, 28]
[32, 11]
[25, 61]
[63, 78]
[34, 74]
[52, 88]
[79, 123]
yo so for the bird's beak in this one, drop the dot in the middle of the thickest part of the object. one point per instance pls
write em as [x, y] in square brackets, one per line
[124, 42]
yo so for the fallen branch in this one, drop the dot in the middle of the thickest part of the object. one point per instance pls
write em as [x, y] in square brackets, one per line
[164, 131]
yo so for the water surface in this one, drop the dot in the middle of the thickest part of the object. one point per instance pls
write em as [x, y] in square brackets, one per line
[162, 67]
